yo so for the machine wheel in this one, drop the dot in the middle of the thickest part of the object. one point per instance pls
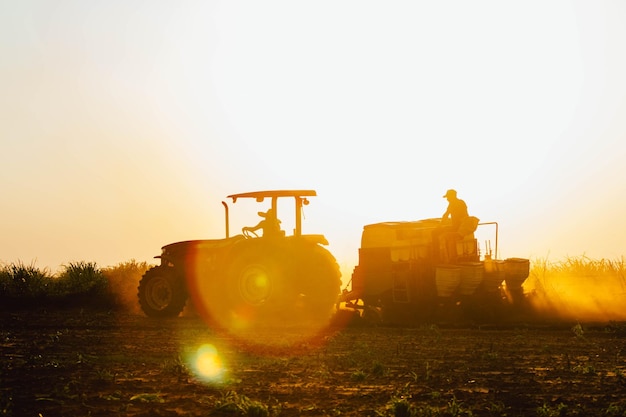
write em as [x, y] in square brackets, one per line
[320, 281]
[161, 294]
[255, 286]
[254, 280]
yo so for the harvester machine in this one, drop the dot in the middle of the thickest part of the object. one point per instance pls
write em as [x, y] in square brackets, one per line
[412, 272]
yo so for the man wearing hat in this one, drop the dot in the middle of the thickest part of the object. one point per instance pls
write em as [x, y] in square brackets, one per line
[456, 211]
[451, 221]
[270, 224]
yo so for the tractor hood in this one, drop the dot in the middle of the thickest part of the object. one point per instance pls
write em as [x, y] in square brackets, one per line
[187, 245]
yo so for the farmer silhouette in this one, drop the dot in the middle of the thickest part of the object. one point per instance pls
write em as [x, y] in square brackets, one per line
[455, 213]
[270, 224]
[455, 224]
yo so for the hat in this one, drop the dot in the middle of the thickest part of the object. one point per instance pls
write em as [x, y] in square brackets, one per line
[450, 193]
[269, 213]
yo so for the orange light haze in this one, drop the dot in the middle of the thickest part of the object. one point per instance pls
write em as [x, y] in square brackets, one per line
[124, 125]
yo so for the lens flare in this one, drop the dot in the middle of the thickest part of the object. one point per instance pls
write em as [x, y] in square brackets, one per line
[208, 364]
[251, 300]
[255, 286]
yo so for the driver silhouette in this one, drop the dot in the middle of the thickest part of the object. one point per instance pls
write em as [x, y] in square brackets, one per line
[270, 224]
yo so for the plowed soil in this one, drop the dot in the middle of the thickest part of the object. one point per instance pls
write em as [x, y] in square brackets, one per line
[80, 363]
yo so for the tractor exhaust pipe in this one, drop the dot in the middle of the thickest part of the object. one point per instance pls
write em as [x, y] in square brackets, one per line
[226, 218]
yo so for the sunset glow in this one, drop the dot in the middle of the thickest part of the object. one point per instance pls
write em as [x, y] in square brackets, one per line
[125, 124]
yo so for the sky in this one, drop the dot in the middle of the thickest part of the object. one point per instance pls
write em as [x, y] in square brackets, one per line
[125, 124]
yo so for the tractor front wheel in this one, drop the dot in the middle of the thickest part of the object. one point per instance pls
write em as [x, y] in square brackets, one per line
[161, 294]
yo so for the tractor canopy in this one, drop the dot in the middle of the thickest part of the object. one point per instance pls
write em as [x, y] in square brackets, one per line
[299, 196]
[261, 195]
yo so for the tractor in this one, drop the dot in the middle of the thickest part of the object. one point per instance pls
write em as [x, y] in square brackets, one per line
[408, 272]
[247, 279]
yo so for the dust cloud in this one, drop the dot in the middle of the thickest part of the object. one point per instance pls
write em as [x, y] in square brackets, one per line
[123, 281]
[578, 289]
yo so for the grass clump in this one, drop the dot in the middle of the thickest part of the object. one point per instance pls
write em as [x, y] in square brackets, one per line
[77, 284]
[80, 279]
[546, 410]
[401, 407]
[378, 369]
[236, 404]
[358, 375]
[24, 282]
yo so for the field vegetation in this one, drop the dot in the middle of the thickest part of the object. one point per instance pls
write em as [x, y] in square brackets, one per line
[74, 343]
[77, 284]
[576, 288]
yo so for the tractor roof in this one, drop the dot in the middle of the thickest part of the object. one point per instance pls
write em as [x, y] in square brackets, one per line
[260, 195]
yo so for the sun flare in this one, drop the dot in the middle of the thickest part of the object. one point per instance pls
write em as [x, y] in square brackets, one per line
[208, 364]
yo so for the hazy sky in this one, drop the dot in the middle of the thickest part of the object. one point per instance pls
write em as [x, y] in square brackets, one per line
[124, 124]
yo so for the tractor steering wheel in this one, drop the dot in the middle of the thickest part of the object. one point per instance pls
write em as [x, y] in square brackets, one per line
[249, 233]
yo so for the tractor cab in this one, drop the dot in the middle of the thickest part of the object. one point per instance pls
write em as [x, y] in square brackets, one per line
[271, 218]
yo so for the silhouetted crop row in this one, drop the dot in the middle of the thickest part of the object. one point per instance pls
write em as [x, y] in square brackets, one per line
[77, 284]
[576, 288]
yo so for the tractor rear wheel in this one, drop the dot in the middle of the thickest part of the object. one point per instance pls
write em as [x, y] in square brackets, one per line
[255, 288]
[320, 281]
[161, 294]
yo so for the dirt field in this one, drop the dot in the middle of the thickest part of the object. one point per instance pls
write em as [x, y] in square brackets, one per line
[73, 363]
